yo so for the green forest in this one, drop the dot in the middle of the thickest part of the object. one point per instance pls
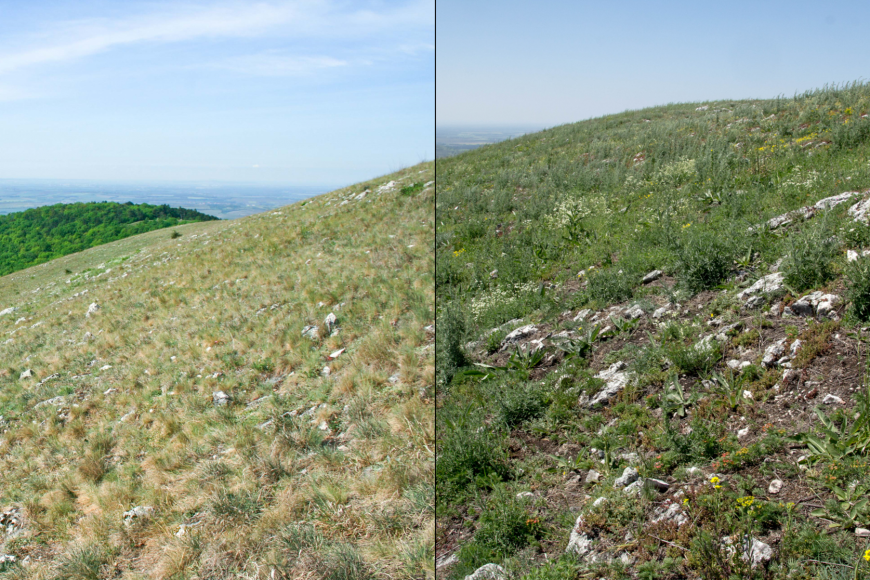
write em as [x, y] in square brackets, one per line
[41, 234]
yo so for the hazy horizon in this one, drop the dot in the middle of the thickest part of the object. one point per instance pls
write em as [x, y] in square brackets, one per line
[518, 63]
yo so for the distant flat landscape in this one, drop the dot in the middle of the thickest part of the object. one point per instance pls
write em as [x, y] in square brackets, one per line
[225, 201]
[454, 139]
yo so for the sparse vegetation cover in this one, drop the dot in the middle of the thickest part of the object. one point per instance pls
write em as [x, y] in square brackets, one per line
[652, 345]
[40, 234]
[247, 399]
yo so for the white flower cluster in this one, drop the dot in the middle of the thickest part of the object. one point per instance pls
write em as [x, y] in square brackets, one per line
[499, 298]
[800, 179]
[675, 172]
[577, 207]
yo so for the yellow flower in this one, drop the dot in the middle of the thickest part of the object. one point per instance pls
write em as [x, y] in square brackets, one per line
[867, 555]
[685, 501]
[717, 487]
[714, 479]
[745, 501]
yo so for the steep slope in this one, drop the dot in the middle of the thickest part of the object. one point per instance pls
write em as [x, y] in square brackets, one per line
[652, 345]
[248, 400]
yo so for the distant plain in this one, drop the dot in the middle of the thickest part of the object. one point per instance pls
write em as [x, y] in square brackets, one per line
[222, 200]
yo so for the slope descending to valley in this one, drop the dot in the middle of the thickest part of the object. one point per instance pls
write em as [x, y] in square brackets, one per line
[652, 345]
[252, 399]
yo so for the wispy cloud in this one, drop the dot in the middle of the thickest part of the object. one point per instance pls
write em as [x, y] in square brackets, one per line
[274, 63]
[78, 39]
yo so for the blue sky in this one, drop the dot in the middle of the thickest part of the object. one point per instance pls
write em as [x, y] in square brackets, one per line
[547, 63]
[279, 91]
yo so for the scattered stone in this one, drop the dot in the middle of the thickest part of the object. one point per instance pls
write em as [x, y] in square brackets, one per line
[592, 476]
[11, 521]
[795, 347]
[599, 502]
[733, 364]
[773, 353]
[330, 321]
[859, 210]
[769, 283]
[634, 488]
[823, 305]
[775, 486]
[138, 513]
[446, 560]
[703, 108]
[652, 276]
[755, 302]
[394, 379]
[657, 484]
[615, 379]
[660, 312]
[835, 200]
[634, 312]
[862, 532]
[220, 399]
[494, 274]
[631, 458]
[107, 367]
[670, 511]
[852, 255]
[7, 311]
[581, 316]
[92, 309]
[832, 400]
[578, 544]
[743, 433]
[629, 475]
[310, 332]
[326, 371]
[694, 472]
[25, 375]
[759, 553]
[519, 334]
[335, 354]
[525, 495]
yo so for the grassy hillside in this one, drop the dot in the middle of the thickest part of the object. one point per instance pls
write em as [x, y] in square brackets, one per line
[40, 234]
[251, 399]
[560, 364]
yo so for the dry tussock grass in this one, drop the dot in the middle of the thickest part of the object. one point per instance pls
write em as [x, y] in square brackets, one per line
[303, 474]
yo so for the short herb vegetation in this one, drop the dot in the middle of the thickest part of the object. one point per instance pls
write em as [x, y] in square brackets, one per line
[652, 346]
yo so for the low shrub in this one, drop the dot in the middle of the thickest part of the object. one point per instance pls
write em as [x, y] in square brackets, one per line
[810, 260]
[703, 261]
[858, 288]
[505, 527]
[469, 452]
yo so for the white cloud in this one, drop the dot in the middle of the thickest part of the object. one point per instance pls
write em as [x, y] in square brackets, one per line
[71, 40]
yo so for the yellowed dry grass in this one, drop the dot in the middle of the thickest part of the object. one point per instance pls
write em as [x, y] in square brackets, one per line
[304, 474]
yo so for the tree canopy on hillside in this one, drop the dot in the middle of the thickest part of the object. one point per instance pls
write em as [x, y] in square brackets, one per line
[41, 234]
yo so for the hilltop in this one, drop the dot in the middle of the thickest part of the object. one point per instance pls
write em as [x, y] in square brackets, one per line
[239, 399]
[652, 344]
